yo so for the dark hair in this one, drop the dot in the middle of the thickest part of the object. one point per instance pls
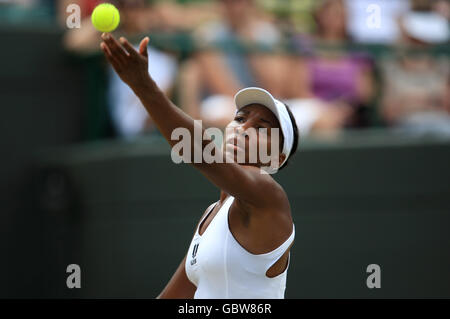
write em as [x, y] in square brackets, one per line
[296, 136]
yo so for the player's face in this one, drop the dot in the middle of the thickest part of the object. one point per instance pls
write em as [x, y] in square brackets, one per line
[251, 129]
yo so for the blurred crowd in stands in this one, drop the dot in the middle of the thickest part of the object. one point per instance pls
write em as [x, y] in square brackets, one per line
[339, 64]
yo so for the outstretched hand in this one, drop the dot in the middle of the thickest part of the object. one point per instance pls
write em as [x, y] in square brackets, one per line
[130, 65]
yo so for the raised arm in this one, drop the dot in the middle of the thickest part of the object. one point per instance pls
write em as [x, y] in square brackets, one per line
[243, 182]
[179, 286]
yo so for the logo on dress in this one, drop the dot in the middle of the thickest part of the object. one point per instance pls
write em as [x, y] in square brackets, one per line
[194, 253]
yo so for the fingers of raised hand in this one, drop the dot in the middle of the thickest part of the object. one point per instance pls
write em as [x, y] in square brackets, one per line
[128, 47]
[105, 49]
[111, 58]
[143, 46]
[116, 50]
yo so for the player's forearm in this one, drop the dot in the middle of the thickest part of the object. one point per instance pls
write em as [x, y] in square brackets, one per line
[179, 286]
[163, 112]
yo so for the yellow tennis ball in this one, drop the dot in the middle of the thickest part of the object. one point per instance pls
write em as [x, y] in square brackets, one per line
[105, 17]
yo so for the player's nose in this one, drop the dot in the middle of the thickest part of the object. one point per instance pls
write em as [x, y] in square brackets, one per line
[241, 130]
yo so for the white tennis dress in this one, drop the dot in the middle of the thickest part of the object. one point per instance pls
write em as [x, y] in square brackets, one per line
[221, 268]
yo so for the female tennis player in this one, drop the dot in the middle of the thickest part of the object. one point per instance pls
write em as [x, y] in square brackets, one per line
[241, 245]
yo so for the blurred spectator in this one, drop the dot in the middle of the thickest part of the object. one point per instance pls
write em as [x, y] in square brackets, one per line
[416, 84]
[221, 67]
[342, 81]
[128, 114]
[292, 16]
[442, 7]
[375, 21]
[174, 16]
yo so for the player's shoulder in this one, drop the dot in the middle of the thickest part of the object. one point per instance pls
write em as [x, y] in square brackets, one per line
[272, 193]
[262, 176]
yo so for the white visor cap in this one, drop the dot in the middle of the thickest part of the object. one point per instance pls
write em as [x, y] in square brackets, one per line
[255, 95]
